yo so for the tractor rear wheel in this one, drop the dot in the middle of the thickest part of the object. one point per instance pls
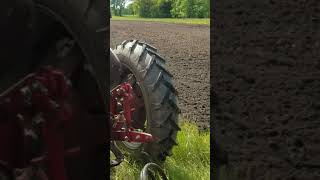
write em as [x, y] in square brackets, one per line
[156, 111]
[71, 36]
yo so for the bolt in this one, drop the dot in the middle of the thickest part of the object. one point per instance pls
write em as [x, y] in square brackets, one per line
[38, 119]
[35, 85]
[20, 117]
[25, 91]
[118, 91]
[68, 82]
[138, 137]
[31, 133]
[54, 104]
[121, 117]
[126, 138]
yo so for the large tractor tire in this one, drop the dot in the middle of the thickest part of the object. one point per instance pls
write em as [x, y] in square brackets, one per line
[156, 111]
[86, 22]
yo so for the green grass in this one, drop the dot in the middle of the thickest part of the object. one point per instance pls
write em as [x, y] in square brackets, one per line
[194, 21]
[190, 159]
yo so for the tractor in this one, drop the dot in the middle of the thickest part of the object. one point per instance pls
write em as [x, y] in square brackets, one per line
[62, 110]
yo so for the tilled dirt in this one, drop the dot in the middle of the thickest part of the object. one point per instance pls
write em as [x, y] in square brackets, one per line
[187, 51]
[267, 87]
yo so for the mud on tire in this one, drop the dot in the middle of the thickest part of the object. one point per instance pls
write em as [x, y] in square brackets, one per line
[159, 97]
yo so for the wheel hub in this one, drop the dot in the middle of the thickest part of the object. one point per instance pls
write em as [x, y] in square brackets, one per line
[121, 114]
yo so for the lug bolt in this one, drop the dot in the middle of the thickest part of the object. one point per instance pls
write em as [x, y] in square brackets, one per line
[126, 138]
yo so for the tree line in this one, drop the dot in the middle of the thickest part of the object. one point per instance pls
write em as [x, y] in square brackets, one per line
[162, 8]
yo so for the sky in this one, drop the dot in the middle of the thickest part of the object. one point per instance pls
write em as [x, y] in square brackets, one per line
[128, 2]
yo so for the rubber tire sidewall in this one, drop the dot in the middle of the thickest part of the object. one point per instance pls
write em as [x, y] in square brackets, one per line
[86, 21]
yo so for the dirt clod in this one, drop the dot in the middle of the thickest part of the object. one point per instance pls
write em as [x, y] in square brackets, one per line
[271, 50]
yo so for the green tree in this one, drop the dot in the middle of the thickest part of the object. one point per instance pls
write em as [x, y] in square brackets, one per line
[152, 8]
[178, 9]
[201, 8]
[164, 8]
[190, 8]
[131, 9]
[172, 8]
[117, 6]
[135, 6]
[147, 8]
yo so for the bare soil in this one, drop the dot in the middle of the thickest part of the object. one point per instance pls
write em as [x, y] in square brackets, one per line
[267, 87]
[187, 51]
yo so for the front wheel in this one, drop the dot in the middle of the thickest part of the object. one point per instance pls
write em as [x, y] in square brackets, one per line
[156, 111]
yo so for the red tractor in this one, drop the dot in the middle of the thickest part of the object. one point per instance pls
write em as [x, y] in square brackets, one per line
[56, 116]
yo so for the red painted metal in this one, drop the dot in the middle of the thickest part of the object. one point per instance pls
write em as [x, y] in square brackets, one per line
[122, 97]
[46, 92]
[42, 92]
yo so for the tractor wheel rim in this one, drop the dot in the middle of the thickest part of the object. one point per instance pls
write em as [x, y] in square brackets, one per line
[140, 106]
[132, 145]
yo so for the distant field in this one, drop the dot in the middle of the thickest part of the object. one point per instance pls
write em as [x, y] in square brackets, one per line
[196, 21]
